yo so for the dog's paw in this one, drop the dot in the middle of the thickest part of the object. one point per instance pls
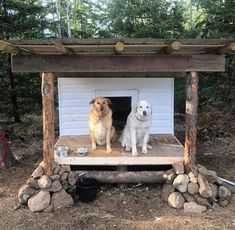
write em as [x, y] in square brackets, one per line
[149, 147]
[128, 148]
[93, 147]
[109, 150]
[144, 151]
[134, 153]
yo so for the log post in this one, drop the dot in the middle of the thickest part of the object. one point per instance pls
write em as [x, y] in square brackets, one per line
[191, 119]
[48, 118]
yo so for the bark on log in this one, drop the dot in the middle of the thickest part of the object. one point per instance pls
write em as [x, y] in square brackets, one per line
[48, 118]
[119, 47]
[174, 46]
[191, 119]
[117, 177]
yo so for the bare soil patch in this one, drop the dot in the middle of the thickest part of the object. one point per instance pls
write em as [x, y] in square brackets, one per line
[134, 207]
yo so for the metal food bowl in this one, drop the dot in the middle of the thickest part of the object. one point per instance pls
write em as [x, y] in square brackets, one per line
[82, 151]
[62, 151]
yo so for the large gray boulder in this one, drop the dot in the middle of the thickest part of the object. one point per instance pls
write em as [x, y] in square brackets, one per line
[193, 207]
[204, 187]
[176, 200]
[181, 182]
[44, 182]
[25, 193]
[61, 199]
[39, 202]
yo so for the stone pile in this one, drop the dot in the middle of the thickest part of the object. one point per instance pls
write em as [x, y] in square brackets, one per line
[49, 191]
[194, 191]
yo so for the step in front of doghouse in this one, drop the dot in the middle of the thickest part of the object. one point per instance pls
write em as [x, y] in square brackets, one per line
[166, 149]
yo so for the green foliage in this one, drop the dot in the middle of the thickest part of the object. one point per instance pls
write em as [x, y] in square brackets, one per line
[144, 18]
[39, 19]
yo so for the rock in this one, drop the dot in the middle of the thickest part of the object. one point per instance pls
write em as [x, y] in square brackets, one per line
[193, 188]
[54, 164]
[167, 189]
[223, 203]
[202, 201]
[214, 189]
[219, 181]
[62, 171]
[181, 182]
[188, 197]
[210, 175]
[44, 166]
[25, 193]
[194, 170]
[39, 201]
[192, 177]
[65, 185]
[55, 186]
[61, 199]
[71, 190]
[204, 187]
[224, 193]
[44, 182]
[38, 172]
[72, 179]
[32, 183]
[48, 209]
[57, 169]
[55, 177]
[64, 176]
[178, 167]
[176, 200]
[66, 168]
[193, 207]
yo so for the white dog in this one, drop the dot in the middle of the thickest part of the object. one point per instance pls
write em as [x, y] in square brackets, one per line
[136, 131]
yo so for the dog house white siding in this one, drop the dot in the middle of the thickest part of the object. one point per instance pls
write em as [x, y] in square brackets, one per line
[76, 93]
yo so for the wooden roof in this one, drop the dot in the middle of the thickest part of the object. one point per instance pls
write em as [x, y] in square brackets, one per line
[137, 57]
[126, 46]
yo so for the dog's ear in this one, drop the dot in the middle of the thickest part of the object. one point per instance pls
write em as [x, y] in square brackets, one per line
[92, 101]
[108, 101]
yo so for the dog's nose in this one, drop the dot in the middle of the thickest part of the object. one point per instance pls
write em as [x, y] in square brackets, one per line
[101, 108]
[144, 113]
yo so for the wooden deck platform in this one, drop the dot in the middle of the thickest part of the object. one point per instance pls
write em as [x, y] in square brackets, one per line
[166, 150]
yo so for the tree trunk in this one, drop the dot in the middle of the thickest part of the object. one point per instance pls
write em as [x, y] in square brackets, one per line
[191, 119]
[12, 88]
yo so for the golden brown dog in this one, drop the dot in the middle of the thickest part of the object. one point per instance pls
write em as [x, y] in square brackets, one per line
[100, 123]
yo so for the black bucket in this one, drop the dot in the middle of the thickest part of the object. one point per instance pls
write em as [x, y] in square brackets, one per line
[87, 189]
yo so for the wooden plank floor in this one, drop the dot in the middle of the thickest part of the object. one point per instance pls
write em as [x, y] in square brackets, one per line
[166, 150]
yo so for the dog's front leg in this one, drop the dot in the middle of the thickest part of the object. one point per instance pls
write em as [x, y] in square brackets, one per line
[145, 142]
[133, 142]
[108, 137]
[93, 141]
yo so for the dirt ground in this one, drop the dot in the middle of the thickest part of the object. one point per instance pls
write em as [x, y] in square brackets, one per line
[133, 207]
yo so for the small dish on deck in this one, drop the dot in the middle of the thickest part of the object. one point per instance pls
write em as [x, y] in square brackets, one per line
[81, 151]
[62, 151]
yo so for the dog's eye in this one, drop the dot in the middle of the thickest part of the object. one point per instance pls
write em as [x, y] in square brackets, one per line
[147, 107]
[98, 103]
[141, 107]
[104, 103]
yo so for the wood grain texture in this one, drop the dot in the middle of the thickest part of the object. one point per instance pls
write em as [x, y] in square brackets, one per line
[166, 150]
[191, 119]
[118, 177]
[117, 64]
[47, 91]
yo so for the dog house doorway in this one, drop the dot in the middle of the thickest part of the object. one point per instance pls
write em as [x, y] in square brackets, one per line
[122, 103]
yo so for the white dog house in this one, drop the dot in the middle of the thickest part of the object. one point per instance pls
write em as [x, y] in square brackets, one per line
[76, 93]
[127, 70]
